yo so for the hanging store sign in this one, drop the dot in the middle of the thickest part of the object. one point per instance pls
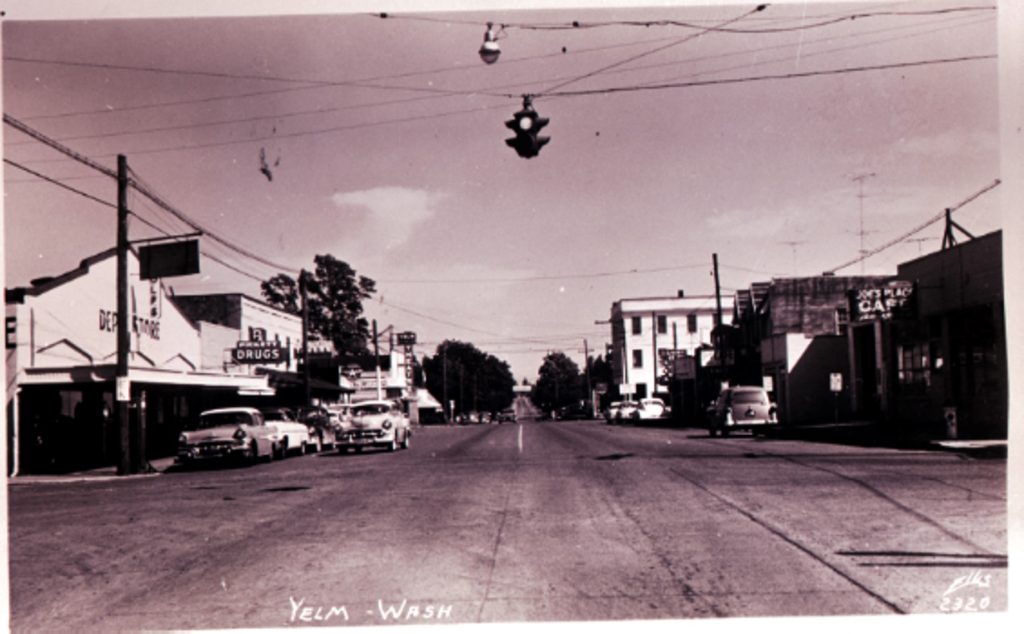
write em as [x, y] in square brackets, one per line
[894, 300]
[262, 352]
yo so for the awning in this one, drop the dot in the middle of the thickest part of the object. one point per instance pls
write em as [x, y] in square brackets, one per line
[425, 400]
[157, 376]
[293, 380]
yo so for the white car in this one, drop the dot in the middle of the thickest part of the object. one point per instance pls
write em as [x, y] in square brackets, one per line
[227, 434]
[374, 424]
[649, 409]
[290, 434]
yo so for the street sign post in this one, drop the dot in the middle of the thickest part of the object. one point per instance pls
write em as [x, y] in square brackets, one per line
[835, 381]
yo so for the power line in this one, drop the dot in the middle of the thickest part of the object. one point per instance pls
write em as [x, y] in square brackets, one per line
[920, 227]
[141, 188]
[577, 25]
[539, 278]
[740, 80]
[59, 184]
[646, 53]
[406, 100]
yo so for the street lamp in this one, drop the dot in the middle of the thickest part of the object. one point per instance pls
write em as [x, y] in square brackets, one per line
[489, 50]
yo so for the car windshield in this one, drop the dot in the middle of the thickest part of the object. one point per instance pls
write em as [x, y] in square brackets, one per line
[749, 397]
[220, 419]
[369, 409]
[276, 415]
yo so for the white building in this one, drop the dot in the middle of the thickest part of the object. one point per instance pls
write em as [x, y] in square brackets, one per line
[61, 359]
[647, 332]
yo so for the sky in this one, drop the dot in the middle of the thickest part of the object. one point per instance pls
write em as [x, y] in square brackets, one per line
[384, 140]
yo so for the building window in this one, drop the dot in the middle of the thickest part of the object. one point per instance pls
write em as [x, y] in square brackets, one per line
[842, 319]
[638, 358]
[914, 365]
[12, 332]
[662, 324]
[641, 391]
[691, 323]
[636, 326]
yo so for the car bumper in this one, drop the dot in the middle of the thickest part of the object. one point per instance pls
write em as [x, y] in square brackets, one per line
[750, 423]
[365, 438]
[220, 451]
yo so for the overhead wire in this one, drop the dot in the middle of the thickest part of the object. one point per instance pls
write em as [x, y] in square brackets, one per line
[644, 54]
[936, 218]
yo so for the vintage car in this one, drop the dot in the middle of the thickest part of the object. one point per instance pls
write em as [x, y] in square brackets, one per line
[626, 410]
[238, 433]
[649, 409]
[291, 435]
[374, 424]
[611, 413]
[507, 415]
[742, 407]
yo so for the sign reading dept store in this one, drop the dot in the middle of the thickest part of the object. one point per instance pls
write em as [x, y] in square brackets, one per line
[885, 301]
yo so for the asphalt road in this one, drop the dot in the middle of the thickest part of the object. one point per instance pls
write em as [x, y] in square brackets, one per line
[552, 521]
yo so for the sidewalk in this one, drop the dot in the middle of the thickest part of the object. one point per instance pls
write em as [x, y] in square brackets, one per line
[870, 434]
[92, 475]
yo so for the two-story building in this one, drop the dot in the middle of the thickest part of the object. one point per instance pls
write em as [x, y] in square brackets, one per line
[650, 333]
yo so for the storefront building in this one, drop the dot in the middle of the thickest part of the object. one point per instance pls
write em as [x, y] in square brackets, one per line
[61, 345]
[948, 371]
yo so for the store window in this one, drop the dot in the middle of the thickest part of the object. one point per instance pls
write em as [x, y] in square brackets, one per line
[914, 365]
[636, 326]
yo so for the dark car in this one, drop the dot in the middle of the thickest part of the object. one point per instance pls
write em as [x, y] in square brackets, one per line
[742, 408]
[573, 412]
[507, 415]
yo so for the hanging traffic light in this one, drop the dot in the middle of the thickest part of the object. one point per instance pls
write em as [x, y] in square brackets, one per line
[526, 124]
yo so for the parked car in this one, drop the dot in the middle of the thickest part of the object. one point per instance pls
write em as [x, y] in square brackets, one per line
[507, 415]
[742, 407]
[611, 413]
[650, 408]
[626, 410]
[573, 412]
[374, 424]
[238, 433]
[291, 435]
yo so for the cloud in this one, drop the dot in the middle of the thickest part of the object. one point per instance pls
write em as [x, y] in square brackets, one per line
[949, 144]
[388, 216]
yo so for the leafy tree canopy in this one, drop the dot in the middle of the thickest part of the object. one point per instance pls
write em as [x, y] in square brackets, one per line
[335, 297]
[472, 378]
[559, 382]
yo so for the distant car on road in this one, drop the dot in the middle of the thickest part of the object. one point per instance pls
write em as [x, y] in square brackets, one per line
[507, 415]
[573, 412]
[649, 409]
[232, 433]
[742, 407]
[292, 436]
[377, 423]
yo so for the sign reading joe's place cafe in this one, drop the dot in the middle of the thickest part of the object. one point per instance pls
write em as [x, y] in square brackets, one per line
[891, 300]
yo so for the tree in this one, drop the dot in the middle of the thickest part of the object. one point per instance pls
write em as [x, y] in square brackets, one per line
[472, 378]
[335, 302]
[558, 382]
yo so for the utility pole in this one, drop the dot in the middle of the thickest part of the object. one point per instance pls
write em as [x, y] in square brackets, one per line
[586, 361]
[860, 178]
[654, 353]
[718, 307]
[376, 359]
[305, 337]
[122, 386]
[444, 381]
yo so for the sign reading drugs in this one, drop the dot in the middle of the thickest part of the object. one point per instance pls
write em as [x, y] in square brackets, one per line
[264, 352]
[893, 300]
